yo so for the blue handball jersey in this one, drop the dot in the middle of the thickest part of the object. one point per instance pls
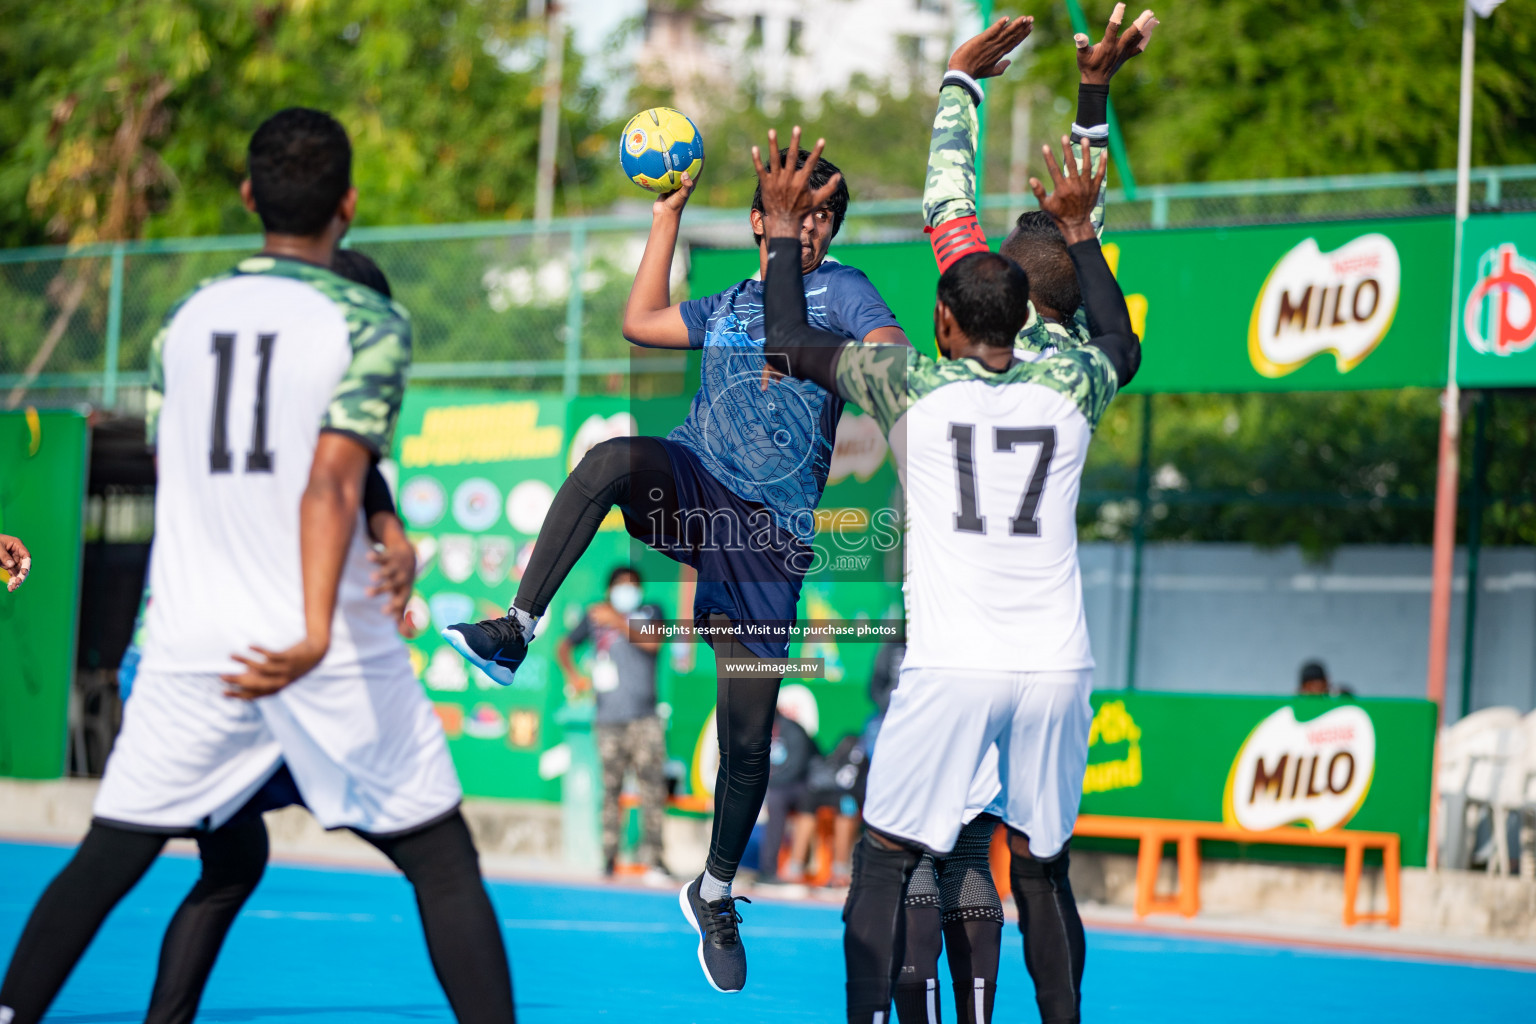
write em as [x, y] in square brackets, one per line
[772, 447]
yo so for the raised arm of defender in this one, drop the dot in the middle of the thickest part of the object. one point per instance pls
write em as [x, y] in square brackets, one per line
[1070, 205]
[791, 343]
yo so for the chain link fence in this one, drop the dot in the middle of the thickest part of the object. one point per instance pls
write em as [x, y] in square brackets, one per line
[542, 306]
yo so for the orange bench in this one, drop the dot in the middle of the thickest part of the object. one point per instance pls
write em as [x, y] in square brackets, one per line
[1153, 833]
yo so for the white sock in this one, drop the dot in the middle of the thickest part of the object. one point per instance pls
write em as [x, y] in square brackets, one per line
[711, 888]
[527, 621]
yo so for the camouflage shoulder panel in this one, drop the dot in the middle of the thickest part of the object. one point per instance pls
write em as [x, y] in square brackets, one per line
[1084, 374]
[366, 402]
[950, 188]
[876, 379]
[1048, 336]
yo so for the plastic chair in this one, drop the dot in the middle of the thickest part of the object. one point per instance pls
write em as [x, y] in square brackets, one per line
[1516, 797]
[1474, 753]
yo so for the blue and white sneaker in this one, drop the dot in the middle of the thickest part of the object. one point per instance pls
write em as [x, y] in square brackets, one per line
[495, 646]
[720, 951]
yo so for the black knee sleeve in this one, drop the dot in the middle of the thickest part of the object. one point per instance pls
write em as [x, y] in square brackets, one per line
[972, 920]
[1054, 944]
[917, 984]
[873, 925]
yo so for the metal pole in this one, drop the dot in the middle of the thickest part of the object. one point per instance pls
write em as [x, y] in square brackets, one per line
[114, 329]
[1450, 416]
[1116, 140]
[1474, 542]
[1450, 431]
[1139, 541]
[574, 312]
[549, 121]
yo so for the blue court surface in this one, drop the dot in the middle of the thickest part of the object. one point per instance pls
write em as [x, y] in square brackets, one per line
[320, 944]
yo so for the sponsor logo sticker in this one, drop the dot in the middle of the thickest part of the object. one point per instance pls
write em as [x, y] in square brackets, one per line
[485, 723]
[1316, 772]
[448, 608]
[452, 718]
[527, 505]
[456, 556]
[495, 561]
[636, 141]
[1314, 302]
[422, 501]
[1500, 315]
[476, 504]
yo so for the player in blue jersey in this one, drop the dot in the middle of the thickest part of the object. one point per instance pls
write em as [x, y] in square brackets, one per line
[731, 492]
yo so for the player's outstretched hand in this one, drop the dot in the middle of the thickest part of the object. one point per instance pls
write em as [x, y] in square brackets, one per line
[1097, 64]
[395, 575]
[17, 561]
[1073, 193]
[981, 56]
[672, 203]
[274, 670]
[787, 195]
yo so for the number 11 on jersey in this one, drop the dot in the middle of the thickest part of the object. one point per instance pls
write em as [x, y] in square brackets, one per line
[259, 458]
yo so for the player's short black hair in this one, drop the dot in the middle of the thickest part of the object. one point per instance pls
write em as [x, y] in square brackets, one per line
[360, 269]
[820, 175]
[989, 297]
[623, 570]
[300, 166]
[1036, 245]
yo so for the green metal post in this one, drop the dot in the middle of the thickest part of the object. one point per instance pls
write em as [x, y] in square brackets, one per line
[114, 329]
[1139, 540]
[1474, 542]
[574, 312]
[1116, 140]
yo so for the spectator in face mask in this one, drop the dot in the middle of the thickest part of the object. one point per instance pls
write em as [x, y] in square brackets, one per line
[630, 736]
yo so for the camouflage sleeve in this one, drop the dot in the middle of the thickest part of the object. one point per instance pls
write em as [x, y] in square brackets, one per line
[1100, 155]
[1087, 376]
[366, 401]
[154, 394]
[950, 188]
[874, 377]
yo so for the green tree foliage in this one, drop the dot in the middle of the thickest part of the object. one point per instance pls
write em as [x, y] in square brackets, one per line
[132, 118]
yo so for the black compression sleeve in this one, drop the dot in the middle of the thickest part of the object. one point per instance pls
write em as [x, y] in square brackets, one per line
[1092, 107]
[376, 496]
[1109, 321]
[792, 344]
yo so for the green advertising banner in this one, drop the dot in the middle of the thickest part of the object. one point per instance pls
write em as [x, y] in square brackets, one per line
[43, 459]
[1308, 307]
[1497, 308]
[1260, 762]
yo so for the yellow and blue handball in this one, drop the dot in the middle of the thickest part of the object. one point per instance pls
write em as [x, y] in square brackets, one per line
[660, 145]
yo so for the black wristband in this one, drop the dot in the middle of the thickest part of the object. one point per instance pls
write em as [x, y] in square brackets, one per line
[1092, 105]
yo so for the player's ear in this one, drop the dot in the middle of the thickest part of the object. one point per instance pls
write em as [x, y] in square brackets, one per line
[247, 196]
[347, 208]
[756, 217]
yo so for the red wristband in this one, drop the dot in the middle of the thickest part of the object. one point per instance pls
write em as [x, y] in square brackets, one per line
[956, 238]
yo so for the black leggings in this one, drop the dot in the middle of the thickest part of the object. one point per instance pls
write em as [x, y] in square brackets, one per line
[110, 862]
[463, 935]
[635, 474]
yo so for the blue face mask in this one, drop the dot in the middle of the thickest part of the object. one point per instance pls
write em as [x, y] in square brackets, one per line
[625, 597]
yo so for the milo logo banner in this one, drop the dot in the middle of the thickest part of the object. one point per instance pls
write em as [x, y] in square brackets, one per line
[1261, 763]
[1498, 302]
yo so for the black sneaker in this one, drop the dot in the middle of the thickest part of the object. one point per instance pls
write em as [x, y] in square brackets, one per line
[720, 952]
[495, 646]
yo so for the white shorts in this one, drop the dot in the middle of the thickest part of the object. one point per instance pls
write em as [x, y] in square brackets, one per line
[363, 745]
[929, 774]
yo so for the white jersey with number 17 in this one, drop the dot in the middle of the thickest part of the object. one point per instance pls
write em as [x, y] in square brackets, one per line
[245, 375]
[991, 463]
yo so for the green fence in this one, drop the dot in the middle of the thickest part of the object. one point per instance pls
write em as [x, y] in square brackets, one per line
[495, 301]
